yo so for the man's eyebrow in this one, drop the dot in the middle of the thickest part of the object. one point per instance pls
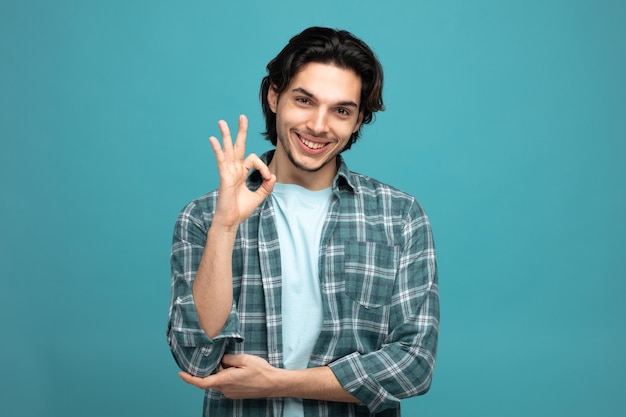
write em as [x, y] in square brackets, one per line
[311, 95]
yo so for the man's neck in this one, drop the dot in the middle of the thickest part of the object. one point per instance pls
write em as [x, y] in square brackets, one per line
[287, 173]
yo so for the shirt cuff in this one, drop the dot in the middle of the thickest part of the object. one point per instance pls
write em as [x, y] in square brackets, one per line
[355, 379]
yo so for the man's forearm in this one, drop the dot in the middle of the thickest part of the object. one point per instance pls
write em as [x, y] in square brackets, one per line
[312, 383]
[213, 285]
[249, 376]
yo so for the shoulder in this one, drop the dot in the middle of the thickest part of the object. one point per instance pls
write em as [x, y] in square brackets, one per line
[199, 210]
[390, 198]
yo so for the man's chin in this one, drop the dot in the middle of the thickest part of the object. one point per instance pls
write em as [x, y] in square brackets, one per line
[307, 168]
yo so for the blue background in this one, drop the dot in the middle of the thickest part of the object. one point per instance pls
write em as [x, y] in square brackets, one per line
[507, 120]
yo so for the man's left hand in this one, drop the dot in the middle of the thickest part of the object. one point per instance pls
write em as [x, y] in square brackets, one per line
[239, 377]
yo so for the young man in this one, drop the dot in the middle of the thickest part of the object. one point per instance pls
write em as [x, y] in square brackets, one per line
[300, 288]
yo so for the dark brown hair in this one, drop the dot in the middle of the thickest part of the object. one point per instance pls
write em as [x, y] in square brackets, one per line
[326, 46]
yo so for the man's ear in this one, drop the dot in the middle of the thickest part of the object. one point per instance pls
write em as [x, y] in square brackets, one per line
[272, 98]
[358, 122]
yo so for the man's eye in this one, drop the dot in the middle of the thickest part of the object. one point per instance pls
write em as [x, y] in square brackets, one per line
[343, 112]
[302, 100]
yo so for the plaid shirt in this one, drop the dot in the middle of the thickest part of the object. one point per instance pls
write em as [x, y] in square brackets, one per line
[378, 278]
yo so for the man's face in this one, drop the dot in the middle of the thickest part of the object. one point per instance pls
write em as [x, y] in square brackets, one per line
[315, 117]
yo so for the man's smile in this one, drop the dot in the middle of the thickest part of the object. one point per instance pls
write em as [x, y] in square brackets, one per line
[309, 143]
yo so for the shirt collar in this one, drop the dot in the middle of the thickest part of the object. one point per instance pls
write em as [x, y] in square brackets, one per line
[343, 179]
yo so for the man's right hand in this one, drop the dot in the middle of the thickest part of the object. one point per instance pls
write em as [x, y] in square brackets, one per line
[213, 284]
[235, 202]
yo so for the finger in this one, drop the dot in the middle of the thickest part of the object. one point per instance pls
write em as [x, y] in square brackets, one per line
[267, 187]
[242, 133]
[203, 383]
[227, 140]
[217, 149]
[252, 161]
[269, 179]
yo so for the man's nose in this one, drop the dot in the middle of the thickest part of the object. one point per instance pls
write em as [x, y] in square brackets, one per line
[318, 123]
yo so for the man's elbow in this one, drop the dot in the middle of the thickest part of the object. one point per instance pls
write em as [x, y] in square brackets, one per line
[422, 378]
[195, 360]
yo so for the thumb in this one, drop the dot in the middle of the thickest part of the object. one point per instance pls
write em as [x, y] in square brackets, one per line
[229, 360]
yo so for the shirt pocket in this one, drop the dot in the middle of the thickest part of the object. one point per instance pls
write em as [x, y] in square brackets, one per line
[370, 272]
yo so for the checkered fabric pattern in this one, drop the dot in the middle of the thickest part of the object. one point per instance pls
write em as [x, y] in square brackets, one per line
[378, 278]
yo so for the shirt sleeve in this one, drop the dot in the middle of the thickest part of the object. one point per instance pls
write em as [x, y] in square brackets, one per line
[193, 350]
[403, 366]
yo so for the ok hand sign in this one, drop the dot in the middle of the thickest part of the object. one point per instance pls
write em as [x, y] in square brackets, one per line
[235, 202]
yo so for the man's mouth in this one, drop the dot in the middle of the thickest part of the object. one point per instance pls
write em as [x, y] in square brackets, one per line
[310, 144]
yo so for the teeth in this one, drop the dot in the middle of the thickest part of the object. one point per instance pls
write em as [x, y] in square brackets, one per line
[311, 145]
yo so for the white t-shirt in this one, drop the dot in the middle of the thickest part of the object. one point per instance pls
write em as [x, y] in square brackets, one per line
[300, 216]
